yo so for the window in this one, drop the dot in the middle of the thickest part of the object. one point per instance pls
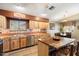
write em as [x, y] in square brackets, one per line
[18, 25]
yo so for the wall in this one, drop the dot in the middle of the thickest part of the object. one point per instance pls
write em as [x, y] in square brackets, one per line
[75, 33]
[71, 26]
[68, 26]
[56, 29]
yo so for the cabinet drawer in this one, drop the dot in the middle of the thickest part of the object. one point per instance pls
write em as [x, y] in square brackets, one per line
[14, 44]
[22, 42]
[6, 45]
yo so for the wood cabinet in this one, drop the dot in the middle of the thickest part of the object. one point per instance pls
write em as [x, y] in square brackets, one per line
[14, 44]
[11, 43]
[6, 44]
[43, 25]
[2, 22]
[38, 25]
[23, 42]
[43, 49]
[28, 42]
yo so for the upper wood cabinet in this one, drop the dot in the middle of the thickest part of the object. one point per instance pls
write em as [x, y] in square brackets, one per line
[2, 22]
[12, 14]
[43, 25]
[38, 25]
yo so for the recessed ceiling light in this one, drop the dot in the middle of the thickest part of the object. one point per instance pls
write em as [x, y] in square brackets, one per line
[19, 8]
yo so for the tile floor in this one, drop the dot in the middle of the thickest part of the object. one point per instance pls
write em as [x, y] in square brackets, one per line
[31, 51]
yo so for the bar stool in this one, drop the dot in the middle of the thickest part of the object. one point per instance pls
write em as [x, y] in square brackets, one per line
[77, 50]
[71, 49]
[52, 51]
[64, 51]
[68, 50]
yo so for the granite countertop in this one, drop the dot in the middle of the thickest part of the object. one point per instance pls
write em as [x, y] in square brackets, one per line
[57, 44]
[7, 35]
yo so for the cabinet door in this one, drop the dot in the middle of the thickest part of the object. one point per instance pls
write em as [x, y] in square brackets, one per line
[23, 42]
[28, 40]
[36, 39]
[14, 44]
[6, 44]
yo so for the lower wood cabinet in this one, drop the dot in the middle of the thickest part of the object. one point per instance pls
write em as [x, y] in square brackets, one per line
[6, 45]
[14, 44]
[23, 42]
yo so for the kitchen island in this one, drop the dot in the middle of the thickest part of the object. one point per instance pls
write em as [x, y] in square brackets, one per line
[45, 44]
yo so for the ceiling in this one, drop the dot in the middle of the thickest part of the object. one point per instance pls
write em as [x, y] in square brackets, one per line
[61, 10]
